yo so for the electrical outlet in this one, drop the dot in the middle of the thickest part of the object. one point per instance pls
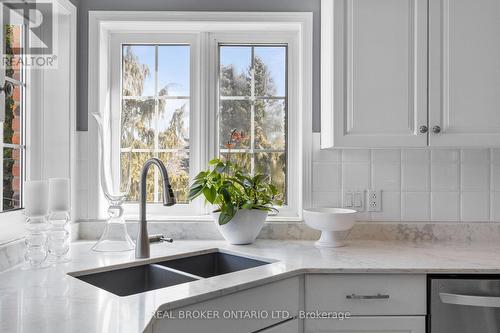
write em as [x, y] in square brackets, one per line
[374, 201]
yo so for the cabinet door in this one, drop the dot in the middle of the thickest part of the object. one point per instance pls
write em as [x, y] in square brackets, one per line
[250, 310]
[374, 73]
[464, 72]
[291, 326]
[367, 325]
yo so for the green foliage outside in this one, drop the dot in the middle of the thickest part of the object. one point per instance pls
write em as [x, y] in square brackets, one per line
[10, 105]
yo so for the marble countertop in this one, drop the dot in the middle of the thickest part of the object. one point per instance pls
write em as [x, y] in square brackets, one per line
[49, 300]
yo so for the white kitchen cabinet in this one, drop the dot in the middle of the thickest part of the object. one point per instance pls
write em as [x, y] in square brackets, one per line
[464, 72]
[378, 90]
[367, 294]
[413, 324]
[245, 311]
[376, 303]
[374, 73]
[291, 326]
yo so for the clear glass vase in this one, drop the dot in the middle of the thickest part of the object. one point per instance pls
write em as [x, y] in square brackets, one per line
[115, 178]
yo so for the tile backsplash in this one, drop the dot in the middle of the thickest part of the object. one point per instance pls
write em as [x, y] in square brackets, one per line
[417, 185]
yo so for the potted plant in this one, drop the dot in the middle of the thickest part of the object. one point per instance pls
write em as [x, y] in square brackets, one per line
[242, 201]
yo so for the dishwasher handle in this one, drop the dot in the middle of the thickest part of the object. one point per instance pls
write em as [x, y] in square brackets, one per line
[470, 300]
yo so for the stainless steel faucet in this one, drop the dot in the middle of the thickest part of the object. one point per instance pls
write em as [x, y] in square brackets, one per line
[142, 242]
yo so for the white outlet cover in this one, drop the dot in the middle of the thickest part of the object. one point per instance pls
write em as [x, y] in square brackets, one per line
[374, 202]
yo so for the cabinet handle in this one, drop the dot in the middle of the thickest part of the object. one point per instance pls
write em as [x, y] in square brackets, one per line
[470, 300]
[423, 129]
[436, 129]
[378, 296]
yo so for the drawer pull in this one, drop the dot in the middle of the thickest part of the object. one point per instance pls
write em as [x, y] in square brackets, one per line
[378, 296]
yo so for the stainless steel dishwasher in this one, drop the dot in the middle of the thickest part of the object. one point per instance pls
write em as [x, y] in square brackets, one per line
[464, 304]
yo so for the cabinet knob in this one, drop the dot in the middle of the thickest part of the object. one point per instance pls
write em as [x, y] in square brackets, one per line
[423, 129]
[436, 129]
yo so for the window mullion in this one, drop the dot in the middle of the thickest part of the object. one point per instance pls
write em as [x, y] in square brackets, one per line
[156, 128]
[252, 114]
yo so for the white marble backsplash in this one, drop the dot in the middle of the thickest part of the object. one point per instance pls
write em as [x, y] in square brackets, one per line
[412, 232]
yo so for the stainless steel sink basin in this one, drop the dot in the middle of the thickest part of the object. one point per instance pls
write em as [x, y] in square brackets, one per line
[139, 279]
[134, 280]
[212, 264]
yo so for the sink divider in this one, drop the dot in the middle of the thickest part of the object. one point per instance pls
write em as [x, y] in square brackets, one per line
[177, 271]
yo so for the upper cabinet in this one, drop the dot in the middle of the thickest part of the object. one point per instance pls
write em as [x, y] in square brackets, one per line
[378, 89]
[464, 72]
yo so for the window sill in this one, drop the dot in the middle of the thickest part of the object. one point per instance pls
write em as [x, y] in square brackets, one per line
[204, 218]
[13, 227]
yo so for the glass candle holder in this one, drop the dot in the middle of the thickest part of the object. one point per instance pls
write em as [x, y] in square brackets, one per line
[36, 249]
[36, 207]
[58, 237]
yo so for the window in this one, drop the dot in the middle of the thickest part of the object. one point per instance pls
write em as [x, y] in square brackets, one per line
[155, 114]
[181, 90]
[13, 126]
[253, 102]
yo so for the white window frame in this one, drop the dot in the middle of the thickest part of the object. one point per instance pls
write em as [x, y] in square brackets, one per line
[210, 28]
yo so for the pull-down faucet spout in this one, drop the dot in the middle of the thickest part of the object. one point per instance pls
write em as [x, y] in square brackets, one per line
[142, 242]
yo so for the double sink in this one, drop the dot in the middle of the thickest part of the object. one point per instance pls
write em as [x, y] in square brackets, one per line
[138, 279]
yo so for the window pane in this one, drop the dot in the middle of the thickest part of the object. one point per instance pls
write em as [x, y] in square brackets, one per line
[244, 160]
[177, 164]
[12, 178]
[157, 122]
[235, 115]
[261, 115]
[173, 70]
[138, 123]
[270, 71]
[173, 123]
[235, 65]
[13, 51]
[138, 70]
[12, 124]
[274, 166]
[138, 160]
[270, 124]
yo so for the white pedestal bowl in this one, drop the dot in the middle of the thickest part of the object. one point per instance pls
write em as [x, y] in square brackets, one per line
[330, 221]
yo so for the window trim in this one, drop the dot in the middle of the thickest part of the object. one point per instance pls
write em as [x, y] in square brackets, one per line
[102, 24]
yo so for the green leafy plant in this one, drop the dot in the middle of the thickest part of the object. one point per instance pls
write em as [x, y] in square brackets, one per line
[229, 188]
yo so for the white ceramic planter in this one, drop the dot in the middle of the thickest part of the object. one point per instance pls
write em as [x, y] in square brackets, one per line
[244, 227]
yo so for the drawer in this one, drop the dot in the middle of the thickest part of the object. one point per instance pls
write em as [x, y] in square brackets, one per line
[280, 295]
[403, 324]
[367, 294]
